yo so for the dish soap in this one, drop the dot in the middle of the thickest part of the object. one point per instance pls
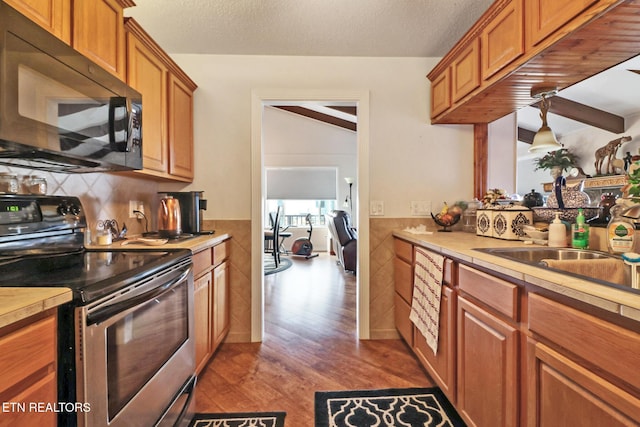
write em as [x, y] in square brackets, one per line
[580, 232]
[620, 231]
[557, 233]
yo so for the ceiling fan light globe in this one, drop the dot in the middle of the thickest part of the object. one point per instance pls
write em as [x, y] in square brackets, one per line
[544, 140]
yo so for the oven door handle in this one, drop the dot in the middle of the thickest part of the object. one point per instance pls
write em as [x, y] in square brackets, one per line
[107, 312]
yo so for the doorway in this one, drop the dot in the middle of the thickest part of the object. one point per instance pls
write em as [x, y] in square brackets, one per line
[260, 99]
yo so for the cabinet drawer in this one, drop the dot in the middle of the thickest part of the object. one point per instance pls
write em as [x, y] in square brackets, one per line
[220, 252]
[26, 351]
[610, 347]
[403, 278]
[202, 261]
[497, 293]
[403, 324]
[403, 250]
[43, 391]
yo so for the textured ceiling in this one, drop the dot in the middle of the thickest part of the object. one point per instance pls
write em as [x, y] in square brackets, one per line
[399, 28]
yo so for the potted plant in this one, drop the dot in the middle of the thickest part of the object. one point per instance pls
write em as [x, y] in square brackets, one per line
[557, 161]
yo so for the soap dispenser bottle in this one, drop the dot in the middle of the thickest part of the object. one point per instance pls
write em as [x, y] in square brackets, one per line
[580, 232]
[557, 233]
[620, 231]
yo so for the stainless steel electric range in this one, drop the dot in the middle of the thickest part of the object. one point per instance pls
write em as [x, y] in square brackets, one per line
[126, 346]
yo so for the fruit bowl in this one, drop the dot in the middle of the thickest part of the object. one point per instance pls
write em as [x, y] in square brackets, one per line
[445, 221]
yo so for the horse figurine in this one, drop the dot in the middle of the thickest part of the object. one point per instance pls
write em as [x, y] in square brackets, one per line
[608, 152]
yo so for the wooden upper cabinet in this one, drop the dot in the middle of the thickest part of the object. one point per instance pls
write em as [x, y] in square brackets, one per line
[180, 128]
[544, 17]
[52, 15]
[503, 39]
[441, 93]
[465, 71]
[98, 33]
[148, 75]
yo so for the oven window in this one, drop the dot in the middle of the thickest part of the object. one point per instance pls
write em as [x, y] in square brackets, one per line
[160, 325]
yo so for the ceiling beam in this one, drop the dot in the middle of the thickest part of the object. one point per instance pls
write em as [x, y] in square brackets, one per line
[319, 116]
[526, 135]
[585, 114]
[348, 110]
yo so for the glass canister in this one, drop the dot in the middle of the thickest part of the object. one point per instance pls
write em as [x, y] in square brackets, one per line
[469, 216]
[36, 185]
[8, 183]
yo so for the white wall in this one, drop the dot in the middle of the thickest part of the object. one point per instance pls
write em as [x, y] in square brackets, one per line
[501, 163]
[409, 158]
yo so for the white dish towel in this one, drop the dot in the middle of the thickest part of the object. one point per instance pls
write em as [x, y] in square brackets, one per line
[427, 288]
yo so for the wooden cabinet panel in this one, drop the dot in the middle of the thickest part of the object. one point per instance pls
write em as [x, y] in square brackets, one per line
[403, 279]
[401, 312]
[403, 250]
[220, 252]
[202, 261]
[180, 129]
[499, 294]
[543, 17]
[27, 350]
[221, 320]
[564, 393]
[441, 93]
[41, 392]
[52, 15]
[613, 349]
[465, 71]
[441, 366]
[98, 33]
[203, 294]
[148, 75]
[503, 39]
[487, 371]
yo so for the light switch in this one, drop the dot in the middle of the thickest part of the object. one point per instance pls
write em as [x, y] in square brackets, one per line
[376, 208]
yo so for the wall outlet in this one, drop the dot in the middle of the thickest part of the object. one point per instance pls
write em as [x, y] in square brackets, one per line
[376, 208]
[133, 206]
[420, 208]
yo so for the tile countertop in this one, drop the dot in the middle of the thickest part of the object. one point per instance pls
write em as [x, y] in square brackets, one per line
[460, 245]
[20, 303]
[194, 244]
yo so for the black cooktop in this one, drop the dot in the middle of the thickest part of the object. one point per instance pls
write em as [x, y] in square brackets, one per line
[89, 274]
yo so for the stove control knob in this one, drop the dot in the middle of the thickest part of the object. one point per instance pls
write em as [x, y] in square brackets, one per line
[63, 210]
[74, 209]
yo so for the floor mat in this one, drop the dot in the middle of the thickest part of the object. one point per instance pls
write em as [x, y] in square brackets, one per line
[240, 419]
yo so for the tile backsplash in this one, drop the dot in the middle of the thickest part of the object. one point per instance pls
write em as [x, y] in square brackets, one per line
[103, 195]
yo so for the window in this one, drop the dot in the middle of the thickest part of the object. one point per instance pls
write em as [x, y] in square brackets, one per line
[295, 212]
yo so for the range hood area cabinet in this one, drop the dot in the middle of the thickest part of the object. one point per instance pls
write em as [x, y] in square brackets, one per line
[517, 44]
[167, 113]
[77, 22]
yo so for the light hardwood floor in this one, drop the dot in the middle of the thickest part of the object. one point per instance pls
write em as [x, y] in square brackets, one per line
[309, 345]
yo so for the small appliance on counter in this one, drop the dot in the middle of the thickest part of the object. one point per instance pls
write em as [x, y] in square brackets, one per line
[192, 207]
[169, 217]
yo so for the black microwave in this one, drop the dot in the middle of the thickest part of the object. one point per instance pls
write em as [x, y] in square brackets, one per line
[59, 111]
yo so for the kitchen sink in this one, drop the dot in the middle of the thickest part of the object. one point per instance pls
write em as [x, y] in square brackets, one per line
[536, 256]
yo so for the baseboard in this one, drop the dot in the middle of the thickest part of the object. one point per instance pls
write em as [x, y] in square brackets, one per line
[384, 334]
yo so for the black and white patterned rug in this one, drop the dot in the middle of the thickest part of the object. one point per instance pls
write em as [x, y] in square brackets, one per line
[242, 419]
[411, 407]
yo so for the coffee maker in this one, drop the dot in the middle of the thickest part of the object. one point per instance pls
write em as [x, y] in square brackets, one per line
[192, 207]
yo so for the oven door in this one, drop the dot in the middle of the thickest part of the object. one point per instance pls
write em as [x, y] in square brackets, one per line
[135, 351]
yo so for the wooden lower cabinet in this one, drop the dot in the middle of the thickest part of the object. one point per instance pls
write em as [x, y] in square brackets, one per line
[220, 303]
[28, 363]
[563, 393]
[442, 365]
[203, 297]
[488, 381]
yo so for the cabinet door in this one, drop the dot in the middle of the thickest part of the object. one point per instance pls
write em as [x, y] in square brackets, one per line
[52, 15]
[203, 289]
[98, 32]
[148, 75]
[543, 17]
[488, 387]
[180, 129]
[441, 93]
[465, 71]
[441, 366]
[564, 393]
[503, 39]
[220, 303]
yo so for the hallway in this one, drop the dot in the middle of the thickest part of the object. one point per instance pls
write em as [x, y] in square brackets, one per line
[309, 345]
